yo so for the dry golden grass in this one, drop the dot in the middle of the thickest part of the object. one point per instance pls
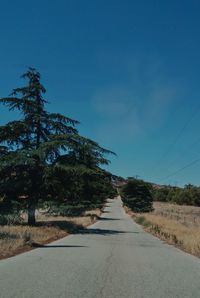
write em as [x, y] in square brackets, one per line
[18, 238]
[178, 225]
[15, 238]
[173, 232]
[186, 215]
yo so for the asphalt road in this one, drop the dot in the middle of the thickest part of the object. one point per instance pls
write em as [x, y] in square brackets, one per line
[113, 258]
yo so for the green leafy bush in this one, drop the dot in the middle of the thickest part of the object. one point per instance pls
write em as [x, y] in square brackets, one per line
[137, 196]
[142, 221]
[188, 195]
[10, 219]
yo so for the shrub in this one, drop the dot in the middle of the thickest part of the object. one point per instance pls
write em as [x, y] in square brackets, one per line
[10, 219]
[141, 220]
[161, 194]
[137, 196]
[189, 195]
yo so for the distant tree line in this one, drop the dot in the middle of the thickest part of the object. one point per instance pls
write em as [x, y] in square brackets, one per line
[45, 162]
[188, 195]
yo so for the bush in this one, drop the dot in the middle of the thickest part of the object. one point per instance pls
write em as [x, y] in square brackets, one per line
[137, 196]
[10, 219]
[142, 221]
[189, 195]
[161, 194]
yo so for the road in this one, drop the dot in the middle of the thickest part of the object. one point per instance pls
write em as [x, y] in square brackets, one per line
[113, 258]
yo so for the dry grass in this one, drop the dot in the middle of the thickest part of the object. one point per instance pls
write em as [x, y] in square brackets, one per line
[178, 225]
[186, 215]
[18, 238]
[14, 239]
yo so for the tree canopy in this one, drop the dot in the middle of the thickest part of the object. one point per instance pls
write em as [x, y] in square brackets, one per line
[136, 195]
[43, 157]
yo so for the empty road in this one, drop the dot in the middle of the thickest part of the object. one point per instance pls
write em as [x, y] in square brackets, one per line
[113, 258]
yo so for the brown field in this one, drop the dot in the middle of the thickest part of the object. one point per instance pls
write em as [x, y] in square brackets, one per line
[19, 238]
[178, 225]
[186, 215]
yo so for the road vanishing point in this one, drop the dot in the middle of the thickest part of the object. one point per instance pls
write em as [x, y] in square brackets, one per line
[114, 258]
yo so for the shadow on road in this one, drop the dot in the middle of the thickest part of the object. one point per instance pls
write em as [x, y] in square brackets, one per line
[56, 246]
[73, 228]
[68, 226]
[104, 232]
[108, 218]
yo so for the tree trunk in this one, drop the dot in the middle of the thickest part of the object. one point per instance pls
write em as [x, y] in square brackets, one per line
[31, 213]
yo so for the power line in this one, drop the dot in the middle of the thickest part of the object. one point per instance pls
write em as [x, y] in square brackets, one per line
[187, 150]
[173, 144]
[180, 170]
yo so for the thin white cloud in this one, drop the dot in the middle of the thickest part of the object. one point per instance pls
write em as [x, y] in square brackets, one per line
[138, 106]
[158, 104]
[119, 114]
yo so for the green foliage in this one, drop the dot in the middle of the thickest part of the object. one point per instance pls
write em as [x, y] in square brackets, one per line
[10, 219]
[43, 158]
[142, 221]
[161, 194]
[189, 195]
[136, 195]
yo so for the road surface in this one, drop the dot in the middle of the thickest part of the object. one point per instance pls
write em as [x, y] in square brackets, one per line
[113, 258]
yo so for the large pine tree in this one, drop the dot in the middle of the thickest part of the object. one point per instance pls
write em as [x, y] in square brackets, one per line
[43, 157]
[32, 143]
[95, 183]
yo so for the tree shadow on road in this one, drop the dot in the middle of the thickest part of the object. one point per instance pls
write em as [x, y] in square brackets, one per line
[68, 226]
[73, 228]
[108, 218]
[37, 245]
[104, 232]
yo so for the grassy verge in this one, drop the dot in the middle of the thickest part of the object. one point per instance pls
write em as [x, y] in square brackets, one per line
[184, 235]
[15, 239]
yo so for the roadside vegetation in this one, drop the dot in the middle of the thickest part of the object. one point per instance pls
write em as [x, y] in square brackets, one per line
[176, 224]
[136, 195]
[16, 238]
[45, 164]
[188, 195]
[176, 216]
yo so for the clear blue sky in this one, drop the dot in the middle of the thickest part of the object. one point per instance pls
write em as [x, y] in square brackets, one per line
[129, 71]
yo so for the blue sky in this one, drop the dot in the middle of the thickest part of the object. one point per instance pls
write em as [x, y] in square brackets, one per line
[129, 71]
